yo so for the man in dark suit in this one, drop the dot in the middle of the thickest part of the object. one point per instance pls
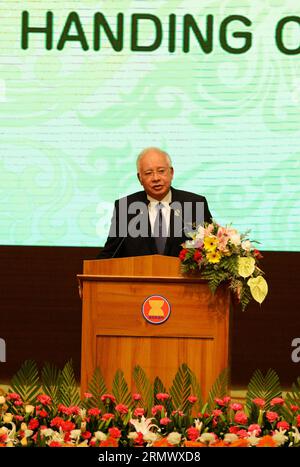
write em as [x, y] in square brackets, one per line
[156, 220]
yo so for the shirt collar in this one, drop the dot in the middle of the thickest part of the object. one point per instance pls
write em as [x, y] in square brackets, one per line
[166, 200]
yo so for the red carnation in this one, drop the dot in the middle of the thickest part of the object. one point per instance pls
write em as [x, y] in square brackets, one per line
[114, 433]
[192, 433]
[33, 424]
[197, 255]
[183, 254]
[44, 399]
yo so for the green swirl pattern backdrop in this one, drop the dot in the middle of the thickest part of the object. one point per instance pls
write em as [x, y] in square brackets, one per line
[73, 121]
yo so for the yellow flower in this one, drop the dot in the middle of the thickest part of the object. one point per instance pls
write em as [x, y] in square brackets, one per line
[214, 256]
[246, 266]
[211, 243]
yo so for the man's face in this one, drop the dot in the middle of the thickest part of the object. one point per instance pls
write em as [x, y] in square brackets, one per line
[155, 174]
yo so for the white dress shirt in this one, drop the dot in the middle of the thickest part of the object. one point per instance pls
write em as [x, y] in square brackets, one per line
[165, 210]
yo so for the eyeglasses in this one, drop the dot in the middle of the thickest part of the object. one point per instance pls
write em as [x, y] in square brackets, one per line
[161, 172]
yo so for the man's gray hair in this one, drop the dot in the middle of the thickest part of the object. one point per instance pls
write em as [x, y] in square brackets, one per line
[146, 150]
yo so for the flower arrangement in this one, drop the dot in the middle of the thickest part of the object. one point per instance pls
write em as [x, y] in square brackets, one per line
[222, 254]
[149, 418]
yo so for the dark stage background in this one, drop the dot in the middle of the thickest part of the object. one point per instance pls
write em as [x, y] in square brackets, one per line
[40, 315]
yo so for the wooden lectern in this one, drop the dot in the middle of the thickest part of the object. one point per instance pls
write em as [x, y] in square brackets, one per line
[115, 334]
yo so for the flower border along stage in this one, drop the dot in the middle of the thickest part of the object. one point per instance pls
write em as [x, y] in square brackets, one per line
[44, 409]
[221, 254]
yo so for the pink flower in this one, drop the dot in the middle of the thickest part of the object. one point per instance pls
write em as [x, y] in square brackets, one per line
[219, 401]
[156, 408]
[136, 397]
[18, 403]
[114, 433]
[272, 416]
[298, 420]
[241, 418]
[165, 421]
[94, 411]
[259, 402]
[217, 412]
[107, 416]
[179, 412]
[254, 428]
[122, 409]
[107, 398]
[86, 435]
[294, 408]
[192, 399]
[42, 413]
[44, 399]
[242, 434]
[139, 412]
[88, 395]
[12, 396]
[236, 407]
[192, 433]
[33, 424]
[54, 444]
[234, 429]
[162, 396]
[226, 399]
[277, 401]
[283, 424]
[19, 418]
[57, 422]
[68, 425]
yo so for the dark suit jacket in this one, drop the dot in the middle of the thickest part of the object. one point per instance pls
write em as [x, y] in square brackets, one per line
[125, 245]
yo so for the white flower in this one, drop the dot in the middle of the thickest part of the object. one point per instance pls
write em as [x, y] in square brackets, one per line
[198, 424]
[144, 425]
[279, 437]
[82, 413]
[28, 433]
[132, 435]
[57, 437]
[295, 435]
[230, 438]
[252, 439]
[75, 434]
[246, 245]
[174, 438]
[207, 438]
[234, 237]
[2, 400]
[150, 437]
[47, 432]
[100, 436]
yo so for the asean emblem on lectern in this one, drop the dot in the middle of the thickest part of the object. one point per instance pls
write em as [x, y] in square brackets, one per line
[156, 309]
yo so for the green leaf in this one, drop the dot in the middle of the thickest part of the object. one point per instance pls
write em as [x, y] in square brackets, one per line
[196, 391]
[219, 389]
[26, 382]
[292, 398]
[51, 380]
[120, 389]
[265, 387]
[69, 394]
[181, 388]
[97, 387]
[143, 387]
